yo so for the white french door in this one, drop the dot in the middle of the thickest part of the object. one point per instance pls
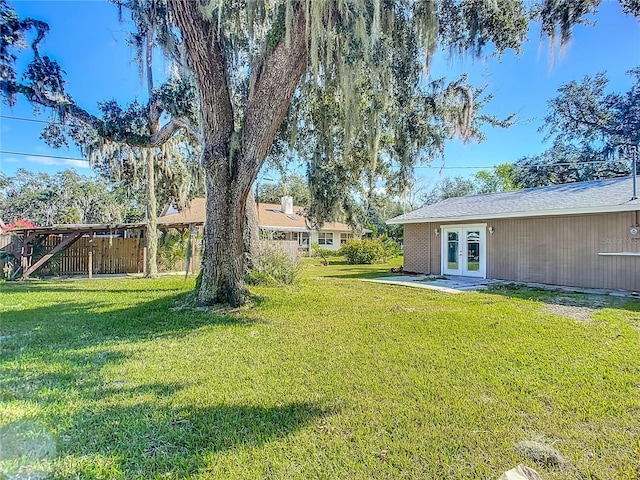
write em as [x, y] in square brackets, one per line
[464, 250]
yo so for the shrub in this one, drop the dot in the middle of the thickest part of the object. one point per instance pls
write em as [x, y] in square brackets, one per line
[8, 264]
[275, 266]
[363, 251]
[318, 251]
[391, 249]
[172, 250]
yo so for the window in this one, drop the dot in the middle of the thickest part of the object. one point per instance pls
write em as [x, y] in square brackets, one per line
[345, 237]
[272, 235]
[325, 238]
[301, 237]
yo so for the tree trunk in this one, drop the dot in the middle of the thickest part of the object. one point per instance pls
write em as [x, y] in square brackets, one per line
[230, 171]
[153, 121]
[152, 216]
[251, 233]
[222, 278]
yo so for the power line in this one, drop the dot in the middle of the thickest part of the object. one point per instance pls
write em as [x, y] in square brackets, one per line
[44, 156]
[548, 165]
[472, 167]
[562, 164]
[25, 119]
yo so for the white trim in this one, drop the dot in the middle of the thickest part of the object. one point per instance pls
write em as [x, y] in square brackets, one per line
[465, 225]
[284, 229]
[539, 213]
[620, 254]
[304, 229]
[463, 229]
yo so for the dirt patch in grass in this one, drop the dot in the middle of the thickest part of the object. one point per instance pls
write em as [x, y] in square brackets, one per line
[542, 454]
[581, 314]
[578, 308]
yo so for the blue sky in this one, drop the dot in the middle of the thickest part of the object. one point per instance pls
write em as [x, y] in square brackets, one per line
[90, 44]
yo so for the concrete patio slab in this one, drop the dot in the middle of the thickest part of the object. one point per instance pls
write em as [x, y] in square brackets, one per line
[454, 284]
[449, 284]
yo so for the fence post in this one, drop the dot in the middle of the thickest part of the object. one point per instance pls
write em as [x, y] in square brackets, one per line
[90, 259]
[193, 233]
[144, 261]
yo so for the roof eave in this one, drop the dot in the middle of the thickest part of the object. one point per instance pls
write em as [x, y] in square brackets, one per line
[284, 229]
[540, 213]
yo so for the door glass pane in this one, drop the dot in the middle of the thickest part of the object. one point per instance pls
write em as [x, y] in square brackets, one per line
[473, 250]
[452, 250]
[303, 239]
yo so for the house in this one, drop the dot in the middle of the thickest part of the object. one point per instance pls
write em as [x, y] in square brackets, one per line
[285, 222]
[581, 234]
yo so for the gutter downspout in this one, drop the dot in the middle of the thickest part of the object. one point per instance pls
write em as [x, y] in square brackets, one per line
[634, 172]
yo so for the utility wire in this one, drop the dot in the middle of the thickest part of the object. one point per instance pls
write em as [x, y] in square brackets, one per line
[434, 167]
[8, 117]
[41, 155]
[561, 164]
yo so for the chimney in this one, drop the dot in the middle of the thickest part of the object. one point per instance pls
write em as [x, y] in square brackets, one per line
[286, 205]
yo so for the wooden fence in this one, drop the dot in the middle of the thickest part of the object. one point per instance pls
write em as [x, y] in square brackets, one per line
[289, 246]
[110, 255]
[10, 244]
[5, 240]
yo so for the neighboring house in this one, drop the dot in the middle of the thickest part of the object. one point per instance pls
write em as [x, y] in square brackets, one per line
[581, 234]
[285, 222]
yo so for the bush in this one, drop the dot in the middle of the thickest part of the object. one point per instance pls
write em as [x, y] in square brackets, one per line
[318, 251]
[363, 251]
[175, 249]
[172, 250]
[391, 249]
[275, 266]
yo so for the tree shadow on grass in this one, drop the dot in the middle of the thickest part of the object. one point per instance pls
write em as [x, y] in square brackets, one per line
[54, 357]
[72, 285]
[76, 324]
[49, 348]
[148, 440]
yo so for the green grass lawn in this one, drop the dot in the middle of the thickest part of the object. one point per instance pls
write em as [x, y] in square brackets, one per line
[334, 378]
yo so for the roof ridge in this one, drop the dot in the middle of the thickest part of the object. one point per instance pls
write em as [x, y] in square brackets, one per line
[543, 187]
[598, 195]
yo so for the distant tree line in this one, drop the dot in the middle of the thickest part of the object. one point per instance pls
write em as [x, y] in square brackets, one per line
[67, 197]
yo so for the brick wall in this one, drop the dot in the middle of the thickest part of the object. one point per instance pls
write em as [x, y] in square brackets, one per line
[417, 247]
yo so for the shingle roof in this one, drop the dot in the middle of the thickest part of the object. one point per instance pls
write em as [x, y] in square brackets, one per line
[269, 216]
[193, 214]
[573, 198]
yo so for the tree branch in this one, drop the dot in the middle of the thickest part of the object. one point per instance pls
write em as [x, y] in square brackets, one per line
[581, 118]
[169, 129]
[42, 29]
[206, 55]
[67, 107]
[271, 96]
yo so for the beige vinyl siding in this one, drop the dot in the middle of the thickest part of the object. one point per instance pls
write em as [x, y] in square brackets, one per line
[561, 250]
